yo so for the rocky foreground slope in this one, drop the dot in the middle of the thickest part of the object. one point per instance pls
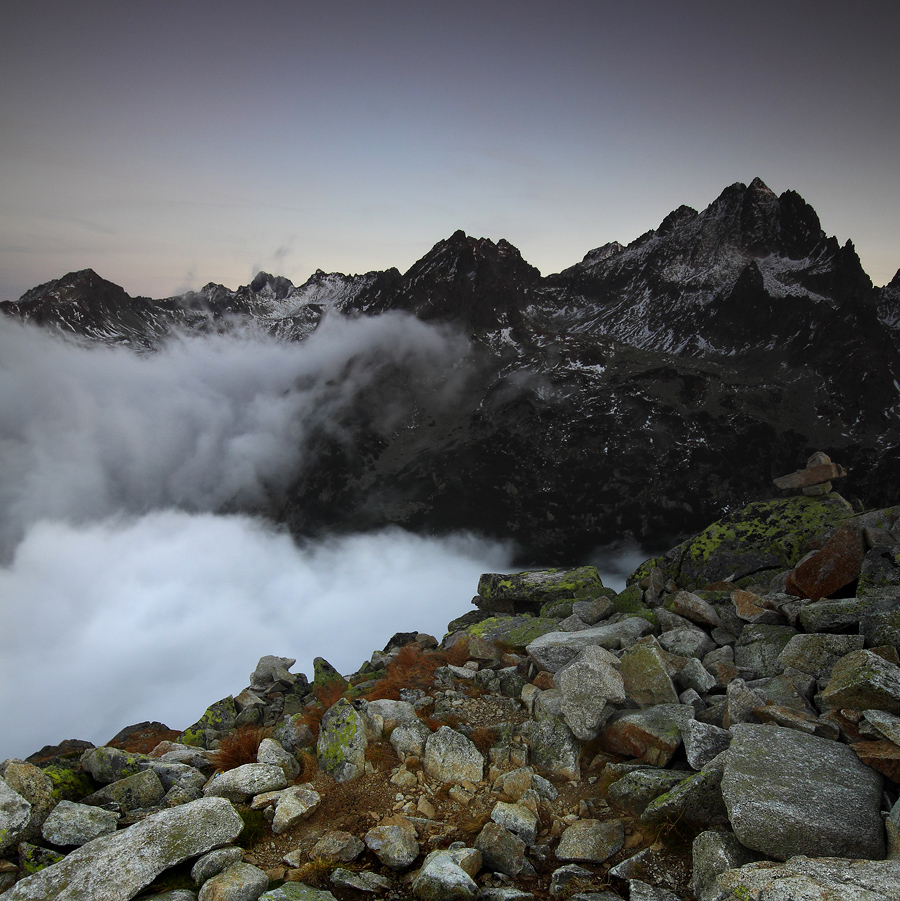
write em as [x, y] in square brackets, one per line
[727, 727]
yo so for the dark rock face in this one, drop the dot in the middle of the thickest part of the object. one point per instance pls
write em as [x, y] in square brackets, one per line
[634, 394]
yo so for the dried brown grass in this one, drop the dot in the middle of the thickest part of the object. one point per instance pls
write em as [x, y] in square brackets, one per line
[238, 747]
[314, 872]
[414, 668]
[469, 825]
[309, 765]
[483, 737]
[381, 754]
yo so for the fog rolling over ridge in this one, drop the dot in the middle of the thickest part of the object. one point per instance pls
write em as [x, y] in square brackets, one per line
[125, 593]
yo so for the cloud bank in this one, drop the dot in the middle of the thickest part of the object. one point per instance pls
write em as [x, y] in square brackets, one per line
[125, 593]
[206, 422]
[155, 617]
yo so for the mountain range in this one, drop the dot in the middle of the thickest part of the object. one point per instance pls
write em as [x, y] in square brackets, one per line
[632, 396]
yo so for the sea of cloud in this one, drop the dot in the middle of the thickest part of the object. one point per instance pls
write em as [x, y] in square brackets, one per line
[125, 595]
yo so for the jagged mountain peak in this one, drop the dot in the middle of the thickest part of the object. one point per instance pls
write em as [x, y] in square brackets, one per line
[676, 219]
[277, 285]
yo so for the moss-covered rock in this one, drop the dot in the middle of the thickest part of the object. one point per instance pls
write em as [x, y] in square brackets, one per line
[759, 540]
[557, 609]
[630, 600]
[341, 748]
[219, 718]
[515, 631]
[542, 585]
[33, 859]
[880, 570]
[325, 676]
[69, 784]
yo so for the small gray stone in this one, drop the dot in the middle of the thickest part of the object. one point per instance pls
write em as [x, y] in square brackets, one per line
[587, 686]
[395, 846]
[110, 764]
[214, 862]
[703, 742]
[564, 875]
[408, 739]
[713, 853]
[451, 757]
[362, 881]
[687, 642]
[76, 824]
[443, 878]
[36, 788]
[591, 612]
[842, 614]
[635, 790]
[502, 851]
[553, 748]
[696, 801]
[245, 781]
[272, 752]
[695, 675]
[646, 676]
[143, 789]
[886, 724]
[863, 680]
[555, 649]
[759, 646]
[817, 653]
[518, 819]
[239, 882]
[653, 734]
[592, 841]
[15, 812]
[695, 609]
[294, 804]
[341, 748]
[337, 845]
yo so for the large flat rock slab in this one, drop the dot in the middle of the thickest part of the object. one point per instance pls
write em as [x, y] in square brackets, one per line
[789, 793]
[115, 867]
[553, 650]
[823, 879]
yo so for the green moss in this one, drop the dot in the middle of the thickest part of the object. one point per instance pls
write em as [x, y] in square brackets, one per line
[68, 785]
[556, 584]
[517, 631]
[219, 717]
[33, 859]
[782, 527]
[337, 734]
[557, 609]
[255, 827]
[629, 601]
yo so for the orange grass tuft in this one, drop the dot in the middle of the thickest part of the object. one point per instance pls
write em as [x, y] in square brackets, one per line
[329, 693]
[238, 747]
[309, 765]
[483, 737]
[414, 668]
[381, 754]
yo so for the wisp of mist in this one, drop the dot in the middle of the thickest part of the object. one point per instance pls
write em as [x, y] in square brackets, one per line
[125, 595]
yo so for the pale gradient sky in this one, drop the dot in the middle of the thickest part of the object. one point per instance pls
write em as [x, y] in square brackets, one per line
[170, 144]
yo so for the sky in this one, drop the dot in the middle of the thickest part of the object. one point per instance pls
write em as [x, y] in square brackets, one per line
[170, 144]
